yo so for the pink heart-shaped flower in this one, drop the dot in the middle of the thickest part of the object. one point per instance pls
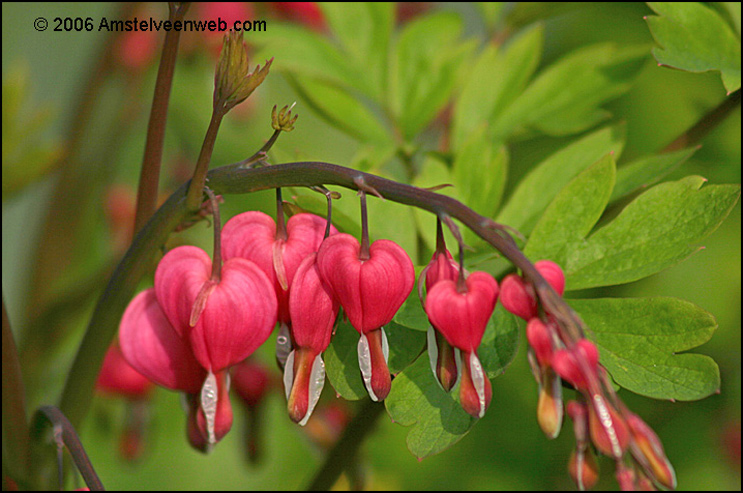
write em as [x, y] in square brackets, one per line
[462, 317]
[252, 236]
[153, 347]
[370, 291]
[238, 314]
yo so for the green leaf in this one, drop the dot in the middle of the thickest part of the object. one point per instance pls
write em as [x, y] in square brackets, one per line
[647, 171]
[566, 97]
[573, 213]
[484, 96]
[537, 189]
[343, 110]
[696, 38]
[411, 314]
[479, 172]
[364, 30]
[302, 52]
[655, 231]
[436, 418]
[426, 64]
[638, 340]
[342, 363]
[491, 13]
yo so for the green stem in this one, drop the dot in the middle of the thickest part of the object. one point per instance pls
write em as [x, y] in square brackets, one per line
[196, 188]
[708, 122]
[149, 178]
[15, 426]
[343, 453]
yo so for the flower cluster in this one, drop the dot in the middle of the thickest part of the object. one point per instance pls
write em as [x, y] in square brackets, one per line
[203, 317]
[599, 416]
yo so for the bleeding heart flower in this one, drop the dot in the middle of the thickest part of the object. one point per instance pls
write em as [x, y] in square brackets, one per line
[462, 316]
[252, 235]
[118, 377]
[370, 291]
[313, 311]
[224, 321]
[518, 297]
[153, 347]
[441, 355]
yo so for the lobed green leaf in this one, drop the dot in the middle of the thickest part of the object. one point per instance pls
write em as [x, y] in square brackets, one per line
[573, 213]
[638, 341]
[497, 78]
[436, 418]
[696, 38]
[537, 189]
[566, 97]
[647, 171]
[655, 231]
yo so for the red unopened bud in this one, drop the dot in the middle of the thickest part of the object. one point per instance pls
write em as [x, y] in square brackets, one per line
[607, 428]
[540, 339]
[573, 364]
[647, 449]
[583, 468]
[625, 477]
[550, 407]
[553, 274]
[251, 380]
[516, 297]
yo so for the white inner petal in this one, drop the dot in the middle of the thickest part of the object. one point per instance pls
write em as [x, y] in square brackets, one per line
[433, 351]
[209, 404]
[478, 379]
[289, 374]
[317, 382]
[365, 365]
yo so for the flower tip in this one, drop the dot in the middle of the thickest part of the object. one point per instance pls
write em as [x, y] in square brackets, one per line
[475, 391]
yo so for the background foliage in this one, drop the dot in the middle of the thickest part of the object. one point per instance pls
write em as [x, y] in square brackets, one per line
[573, 82]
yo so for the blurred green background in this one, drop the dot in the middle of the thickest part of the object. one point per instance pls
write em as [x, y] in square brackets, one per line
[506, 449]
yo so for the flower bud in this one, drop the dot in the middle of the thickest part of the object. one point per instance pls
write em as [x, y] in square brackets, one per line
[573, 363]
[232, 81]
[647, 449]
[550, 407]
[517, 295]
[607, 428]
[583, 468]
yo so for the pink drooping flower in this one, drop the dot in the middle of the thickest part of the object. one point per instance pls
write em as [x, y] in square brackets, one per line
[118, 377]
[518, 297]
[461, 314]
[253, 235]
[313, 310]
[441, 354]
[370, 291]
[153, 347]
[224, 321]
